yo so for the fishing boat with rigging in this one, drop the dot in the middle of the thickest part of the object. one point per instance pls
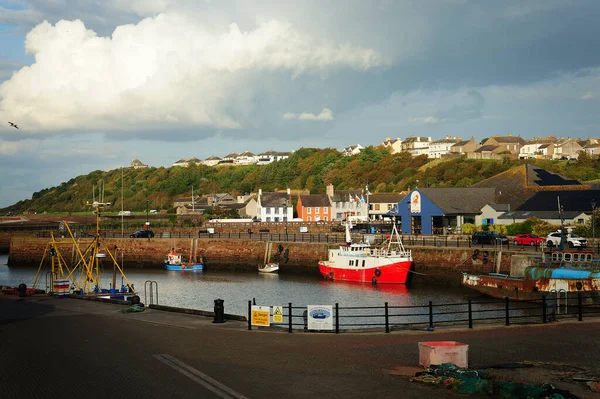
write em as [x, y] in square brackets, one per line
[361, 262]
[558, 270]
[563, 271]
[176, 261]
[90, 258]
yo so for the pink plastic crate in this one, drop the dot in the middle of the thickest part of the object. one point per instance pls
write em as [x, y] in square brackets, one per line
[438, 352]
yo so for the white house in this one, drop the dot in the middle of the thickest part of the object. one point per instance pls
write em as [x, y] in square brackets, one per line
[274, 207]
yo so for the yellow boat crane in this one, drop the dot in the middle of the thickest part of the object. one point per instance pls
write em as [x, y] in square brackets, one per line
[85, 274]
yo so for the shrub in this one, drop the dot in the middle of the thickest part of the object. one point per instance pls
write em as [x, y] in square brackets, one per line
[469, 228]
[498, 228]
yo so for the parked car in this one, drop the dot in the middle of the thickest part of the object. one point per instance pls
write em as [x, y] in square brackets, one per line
[488, 237]
[142, 234]
[571, 240]
[528, 239]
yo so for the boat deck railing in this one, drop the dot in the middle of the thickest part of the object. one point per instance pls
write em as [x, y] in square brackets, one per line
[483, 312]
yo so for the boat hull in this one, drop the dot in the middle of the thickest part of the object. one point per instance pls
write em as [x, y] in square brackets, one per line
[387, 272]
[192, 267]
[501, 286]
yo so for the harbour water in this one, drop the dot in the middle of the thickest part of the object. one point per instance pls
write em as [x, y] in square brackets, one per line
[198, 290]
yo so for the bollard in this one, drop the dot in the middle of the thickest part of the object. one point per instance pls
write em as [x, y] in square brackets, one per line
[219, 311]
[22, 290]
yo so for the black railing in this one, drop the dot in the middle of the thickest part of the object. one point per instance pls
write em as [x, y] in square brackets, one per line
[549, 308]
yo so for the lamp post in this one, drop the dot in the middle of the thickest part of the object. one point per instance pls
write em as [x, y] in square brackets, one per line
[593, 204]
[147, 206]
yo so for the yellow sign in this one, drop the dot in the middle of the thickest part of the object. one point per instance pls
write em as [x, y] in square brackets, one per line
[277, 314]
[260, 316]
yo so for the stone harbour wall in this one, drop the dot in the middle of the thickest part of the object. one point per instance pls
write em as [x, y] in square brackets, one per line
[433, 264]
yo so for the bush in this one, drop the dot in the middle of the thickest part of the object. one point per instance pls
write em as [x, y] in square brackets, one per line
[498, 228]
[468, 228]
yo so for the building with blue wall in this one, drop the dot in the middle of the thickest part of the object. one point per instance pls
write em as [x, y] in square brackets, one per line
[440, 210]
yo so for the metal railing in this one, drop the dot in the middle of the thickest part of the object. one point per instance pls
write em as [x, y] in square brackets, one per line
[388, 317]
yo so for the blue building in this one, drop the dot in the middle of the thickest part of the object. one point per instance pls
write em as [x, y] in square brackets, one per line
[440, 210]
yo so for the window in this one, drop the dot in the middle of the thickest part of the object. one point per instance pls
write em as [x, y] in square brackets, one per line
[326, 219]
[317, 210]
[377, 207]
[308, 219]
[268, 211]
[390, 207]
[325, 211]
[309, 210]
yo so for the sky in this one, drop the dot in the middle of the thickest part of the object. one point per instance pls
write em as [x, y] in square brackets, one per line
[95, 84]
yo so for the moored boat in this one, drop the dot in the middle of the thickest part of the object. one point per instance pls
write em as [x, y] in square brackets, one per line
[557, 271]
[176, 261]
[269, 268]
[361, 262]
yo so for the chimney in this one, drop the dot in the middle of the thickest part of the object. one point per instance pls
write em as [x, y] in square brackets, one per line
[288, 191]
[387, 139]
[329, 190]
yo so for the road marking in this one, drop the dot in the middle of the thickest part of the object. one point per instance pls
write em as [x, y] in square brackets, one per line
[199, 377]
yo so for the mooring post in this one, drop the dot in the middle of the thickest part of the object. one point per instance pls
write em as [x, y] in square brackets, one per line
[470, 314]
[387, 319]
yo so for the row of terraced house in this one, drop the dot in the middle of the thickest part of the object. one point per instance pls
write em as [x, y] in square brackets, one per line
[523, 192]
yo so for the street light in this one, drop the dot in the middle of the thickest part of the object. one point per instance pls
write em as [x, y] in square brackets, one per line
[147, 205]
[593, 204]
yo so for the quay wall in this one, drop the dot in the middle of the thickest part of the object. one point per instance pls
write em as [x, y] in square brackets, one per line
[432, 264]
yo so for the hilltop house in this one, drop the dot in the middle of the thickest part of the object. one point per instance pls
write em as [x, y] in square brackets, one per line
[137, 164]
[464, 147]
[395, 145]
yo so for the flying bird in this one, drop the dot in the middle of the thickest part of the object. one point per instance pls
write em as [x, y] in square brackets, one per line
[13, 125]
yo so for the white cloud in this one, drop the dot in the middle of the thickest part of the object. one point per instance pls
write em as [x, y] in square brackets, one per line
[425, 120]
[588, 96]
[325, 115]
[165, 71]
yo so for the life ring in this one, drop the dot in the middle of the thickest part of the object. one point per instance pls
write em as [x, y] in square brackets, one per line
[476, 252]
[485, 254]
[373, 281]
[377, 272]
[474, 257]
[485, 261]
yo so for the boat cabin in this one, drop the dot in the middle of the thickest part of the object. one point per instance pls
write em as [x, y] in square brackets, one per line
[572, 256]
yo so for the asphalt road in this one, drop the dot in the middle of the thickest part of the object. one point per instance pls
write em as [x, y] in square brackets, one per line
[66, 348]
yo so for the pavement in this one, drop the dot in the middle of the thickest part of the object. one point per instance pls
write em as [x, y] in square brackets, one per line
[65, 347]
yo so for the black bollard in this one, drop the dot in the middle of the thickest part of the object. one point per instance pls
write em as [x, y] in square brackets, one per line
[22, 289]
[219, 311]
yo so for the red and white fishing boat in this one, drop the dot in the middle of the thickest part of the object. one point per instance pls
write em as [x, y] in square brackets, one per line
[361, 262]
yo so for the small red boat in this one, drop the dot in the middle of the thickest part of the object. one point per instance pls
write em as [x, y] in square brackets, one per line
[361, 262]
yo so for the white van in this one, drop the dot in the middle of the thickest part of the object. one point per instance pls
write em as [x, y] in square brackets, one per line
[124, 213]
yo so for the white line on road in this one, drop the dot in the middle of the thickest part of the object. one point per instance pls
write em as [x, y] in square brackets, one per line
[199, 377]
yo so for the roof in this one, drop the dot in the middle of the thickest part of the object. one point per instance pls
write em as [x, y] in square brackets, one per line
[500, 207]
[274, 199]
[537, 176]
[315, 200]
[459, 200]
[213, 158]
[461, 143]
[539, 215]
[570, 200]
[488, 147]
[508, 139]
[344, 195]
[516, 185]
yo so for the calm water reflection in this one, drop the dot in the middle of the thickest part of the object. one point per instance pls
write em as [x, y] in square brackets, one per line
[198, 290]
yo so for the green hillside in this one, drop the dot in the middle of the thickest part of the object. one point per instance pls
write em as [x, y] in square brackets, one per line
[307, 168]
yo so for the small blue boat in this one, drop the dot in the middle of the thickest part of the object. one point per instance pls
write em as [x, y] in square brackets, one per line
[176, 261]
